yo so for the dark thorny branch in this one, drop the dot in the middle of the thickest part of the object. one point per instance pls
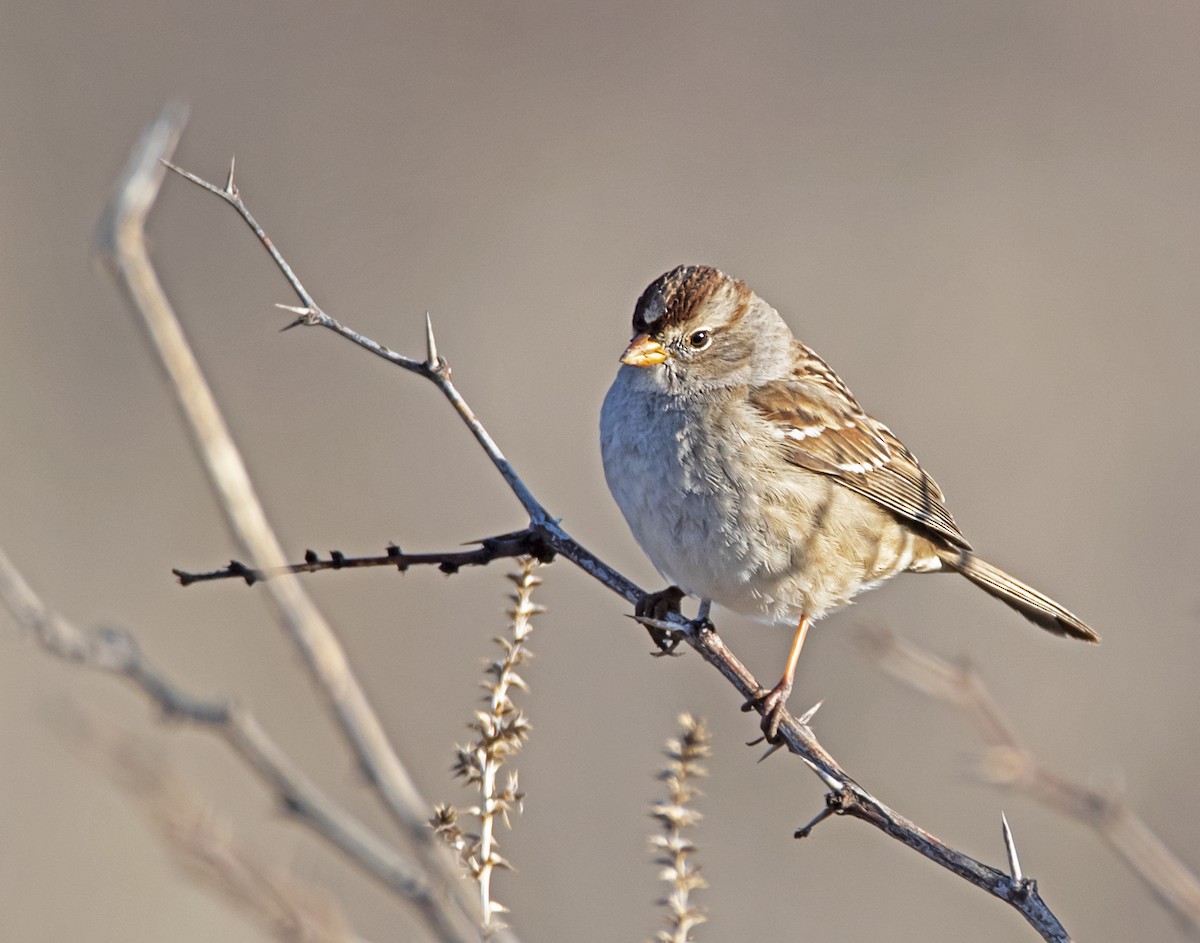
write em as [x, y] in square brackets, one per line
[522, 543]
[845, 797]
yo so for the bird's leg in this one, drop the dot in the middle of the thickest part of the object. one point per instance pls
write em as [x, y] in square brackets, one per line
[773, 703]
[659, 606]
[702, 619]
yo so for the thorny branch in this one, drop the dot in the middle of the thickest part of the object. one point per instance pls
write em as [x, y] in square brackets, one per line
[121, 238]
[522, 543]
[1009, 764]
[846, 797]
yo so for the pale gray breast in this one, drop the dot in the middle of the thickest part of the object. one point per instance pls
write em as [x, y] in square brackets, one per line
[654, 468]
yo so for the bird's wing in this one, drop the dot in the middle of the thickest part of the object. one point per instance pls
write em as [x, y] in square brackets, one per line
[820, 427]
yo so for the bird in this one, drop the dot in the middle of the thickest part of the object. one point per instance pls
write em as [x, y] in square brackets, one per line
[752, 478]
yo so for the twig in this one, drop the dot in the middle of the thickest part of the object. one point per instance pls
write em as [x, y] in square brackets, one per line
[116, 651]
[121, 238]
[522, 543]
[1009, 764]
[849, 798]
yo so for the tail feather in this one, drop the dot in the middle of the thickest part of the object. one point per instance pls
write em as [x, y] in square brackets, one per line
[1037, 608]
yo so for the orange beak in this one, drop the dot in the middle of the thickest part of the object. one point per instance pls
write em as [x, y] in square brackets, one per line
[644, 351]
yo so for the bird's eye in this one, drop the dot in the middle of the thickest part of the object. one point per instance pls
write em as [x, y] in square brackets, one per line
[700, 339]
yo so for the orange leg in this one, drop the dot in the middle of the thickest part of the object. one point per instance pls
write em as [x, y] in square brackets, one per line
[774, 702]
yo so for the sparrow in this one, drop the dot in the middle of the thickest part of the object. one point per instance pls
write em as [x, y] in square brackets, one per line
[753, 479]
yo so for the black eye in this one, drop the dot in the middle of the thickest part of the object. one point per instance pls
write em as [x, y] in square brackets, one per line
[700, 339]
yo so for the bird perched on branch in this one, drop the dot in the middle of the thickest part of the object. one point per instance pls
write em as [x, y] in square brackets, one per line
[752, 478]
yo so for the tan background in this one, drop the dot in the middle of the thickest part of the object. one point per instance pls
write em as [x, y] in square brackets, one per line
[986, 216]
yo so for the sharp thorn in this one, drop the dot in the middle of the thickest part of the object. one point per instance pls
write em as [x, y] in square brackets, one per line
[773, 748]
[230, 187]
[817, 819]
[650, 623]
[304, 315]
[832, 782]
[431, 351]
[809, 714]
[1010, 846]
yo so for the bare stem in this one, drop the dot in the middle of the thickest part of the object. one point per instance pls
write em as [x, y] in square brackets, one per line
[502, 546]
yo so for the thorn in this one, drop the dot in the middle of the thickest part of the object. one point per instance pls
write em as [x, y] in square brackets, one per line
[817, 819]
[773, 748]
[809, 714]
[431, 352]
[1010, 846]
[661, 624]
[230, 186]
[832, 782]
[305, 315]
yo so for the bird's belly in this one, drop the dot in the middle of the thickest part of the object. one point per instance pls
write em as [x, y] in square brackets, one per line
[770, 545]
[776, 556]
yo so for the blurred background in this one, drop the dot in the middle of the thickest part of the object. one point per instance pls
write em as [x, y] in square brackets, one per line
[985, 216]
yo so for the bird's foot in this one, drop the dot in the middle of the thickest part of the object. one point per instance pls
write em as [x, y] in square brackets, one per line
[773, 706]
[658, 607]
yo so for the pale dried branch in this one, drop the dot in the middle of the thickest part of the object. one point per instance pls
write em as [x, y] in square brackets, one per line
[205, 844]
[1009, 764]
[122, 241]
[116, 651]
[846, 797]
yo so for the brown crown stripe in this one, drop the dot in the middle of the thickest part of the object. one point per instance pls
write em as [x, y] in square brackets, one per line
[676, 296]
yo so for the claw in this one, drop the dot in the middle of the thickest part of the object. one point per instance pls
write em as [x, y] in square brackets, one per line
[773, 707]
[660, 605]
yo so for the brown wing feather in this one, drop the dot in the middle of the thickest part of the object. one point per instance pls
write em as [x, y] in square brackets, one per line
[821, 427]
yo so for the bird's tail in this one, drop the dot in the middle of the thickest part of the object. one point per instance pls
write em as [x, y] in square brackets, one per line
[1037, 608]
